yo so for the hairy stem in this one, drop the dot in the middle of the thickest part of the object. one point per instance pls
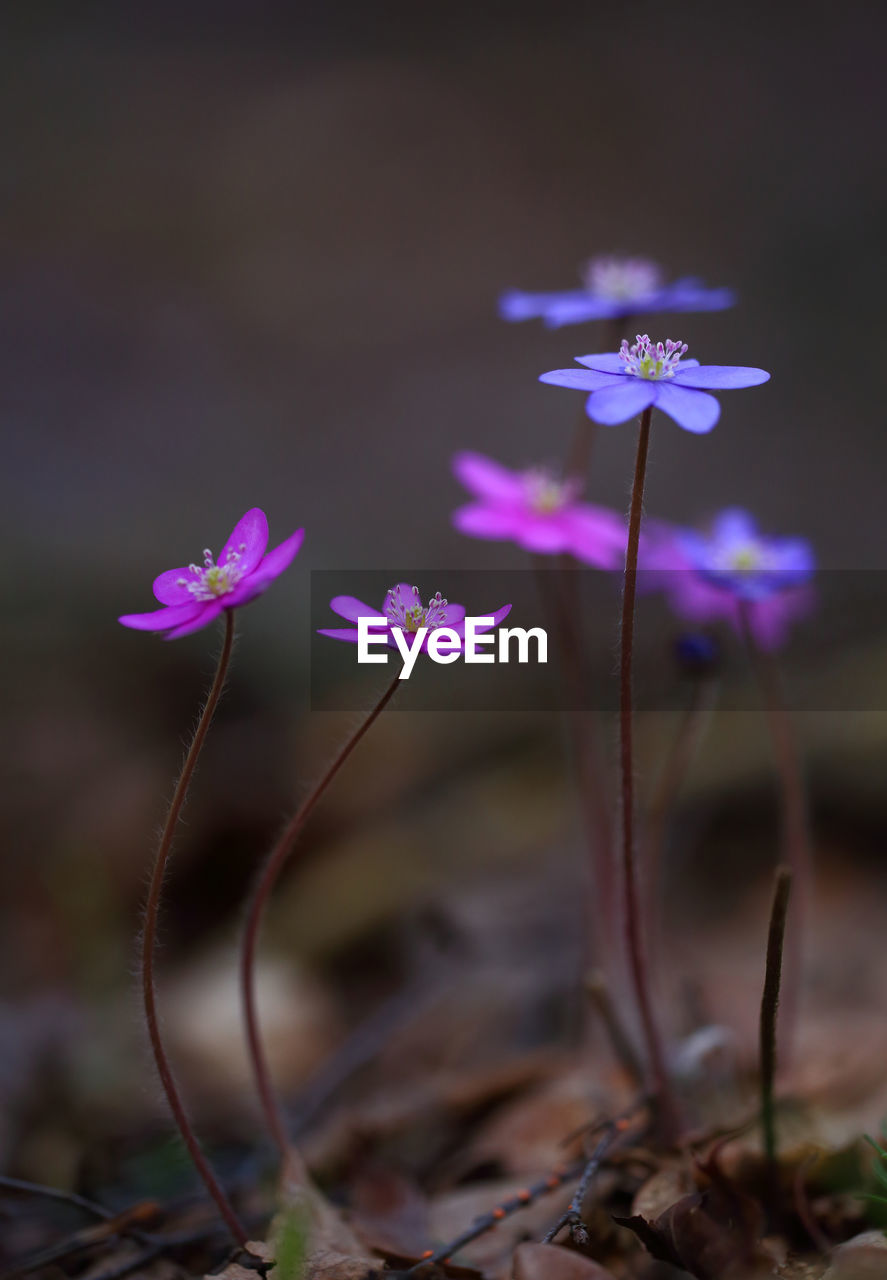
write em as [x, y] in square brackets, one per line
[268, 878]
[149, 941]
[769, 1008]
[640, 977]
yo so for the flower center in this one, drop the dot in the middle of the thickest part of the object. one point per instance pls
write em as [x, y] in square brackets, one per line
[545, 494]
[212, 580]
[621, 279]
[645, 359]
[406, 610]
[745, 559]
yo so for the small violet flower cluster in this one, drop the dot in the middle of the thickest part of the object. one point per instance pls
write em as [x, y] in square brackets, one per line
[731, 570]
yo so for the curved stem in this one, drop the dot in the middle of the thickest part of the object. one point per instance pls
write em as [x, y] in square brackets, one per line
[149, 941]
[633, 923]
[268, 878]
[795, 834]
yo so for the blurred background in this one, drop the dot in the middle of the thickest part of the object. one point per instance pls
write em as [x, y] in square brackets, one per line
[251, 255]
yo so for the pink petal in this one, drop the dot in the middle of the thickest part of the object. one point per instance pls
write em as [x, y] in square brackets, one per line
[248, 539]
[486, 478]
[210, 611]
[167, 589]
[162, 619]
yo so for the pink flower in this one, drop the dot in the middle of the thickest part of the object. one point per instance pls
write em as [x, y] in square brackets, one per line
[538, 512]
[196, 595]
[404, 611]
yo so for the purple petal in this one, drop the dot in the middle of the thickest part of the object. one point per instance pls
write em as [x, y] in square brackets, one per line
[517, 305]
[486, 478]
[271, 567]
[167, 589]
[693, 410]
[606, 362]
[594, 380]
[585, 306]
[575, 379]
[211, 610]
[618, 404]
[248, 539]
[722, 377]
[350, 608]
[688, 295]
[478, 521]
[596, 536]
[339, 633]
[734, 525]
[497, 617]
[545, 535]
[454, 614]
[163, 619]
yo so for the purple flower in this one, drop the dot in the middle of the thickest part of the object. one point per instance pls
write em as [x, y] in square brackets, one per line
[614, 288]
[732, 567]
[196, 595]
[537, 511]
[404, 611]
[623, 383]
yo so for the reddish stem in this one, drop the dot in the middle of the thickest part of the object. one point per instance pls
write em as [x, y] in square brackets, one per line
[149, 942]
[267, 880]
[633, 922]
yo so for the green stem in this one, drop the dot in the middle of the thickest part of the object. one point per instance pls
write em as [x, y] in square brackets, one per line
[149, 942]
[769, 1008]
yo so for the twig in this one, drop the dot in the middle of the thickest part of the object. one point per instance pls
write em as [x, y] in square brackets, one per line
[769, 1007]
[487, 1221]
[573, 1216]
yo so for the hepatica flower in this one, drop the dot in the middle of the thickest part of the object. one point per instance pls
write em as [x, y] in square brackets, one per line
[714, 575]
[614, 288]
[196, 594]
[404, 611]
[536, 510]
[621, 384]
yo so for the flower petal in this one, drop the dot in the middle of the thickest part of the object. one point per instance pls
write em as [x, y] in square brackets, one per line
[497, 617]
[693, 410]
[209, 612]
[689, 295]
[733, 524]
[479, 521]
[575, 379]
[454, 613]
[162, 619]
[248, 539]
[545, 535]
[339, 633]
[585, 306]
[596, 536]
[167, 588]
[605, 362]
[486, 478]
[350, 608]
[515, 304]
[594, 380]
[618, 404]
[722, 377]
